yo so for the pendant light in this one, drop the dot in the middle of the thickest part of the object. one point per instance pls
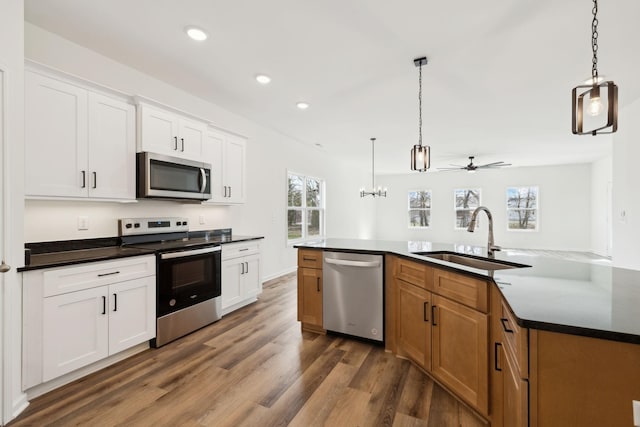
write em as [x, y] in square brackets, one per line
[379, 192]
[594, 104]
[420, 154]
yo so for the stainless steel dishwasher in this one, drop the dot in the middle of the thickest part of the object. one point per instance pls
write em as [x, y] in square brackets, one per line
[352, 300]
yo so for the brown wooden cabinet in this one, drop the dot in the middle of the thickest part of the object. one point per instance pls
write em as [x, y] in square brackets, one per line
[413, 323]
[310, 289]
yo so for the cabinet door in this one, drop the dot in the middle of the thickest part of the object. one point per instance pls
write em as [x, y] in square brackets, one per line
[111, 148]
[310, 296]
[251, 283]
[132, 313]
[234, 168]
[159, 131]
[460, 351]
[191, 135]
[232, 282]
[55, 138]
[213, 152]
[413, 323]
[515, 393]
[75, 331]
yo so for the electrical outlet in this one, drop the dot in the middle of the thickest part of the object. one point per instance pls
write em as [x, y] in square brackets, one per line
[202, 220]
[83, 222]
[636, 413]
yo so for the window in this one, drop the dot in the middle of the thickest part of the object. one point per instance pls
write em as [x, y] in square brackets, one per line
[522, 208]
[419, 208]
[466, 200]
[305, 207]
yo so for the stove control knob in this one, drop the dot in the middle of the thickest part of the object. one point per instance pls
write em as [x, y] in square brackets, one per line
[184, 222]
[128, 225]
[136, 225]
[172, 302]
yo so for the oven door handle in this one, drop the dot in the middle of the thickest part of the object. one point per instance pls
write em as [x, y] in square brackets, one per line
[184, 254]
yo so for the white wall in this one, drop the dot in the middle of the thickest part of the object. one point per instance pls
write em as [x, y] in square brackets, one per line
[564, 216]
[601, 206]
[626, 194]
[269, 155]
[12, 126]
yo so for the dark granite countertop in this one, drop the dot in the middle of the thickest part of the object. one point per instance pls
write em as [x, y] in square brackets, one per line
[64, 253]
[579, 298]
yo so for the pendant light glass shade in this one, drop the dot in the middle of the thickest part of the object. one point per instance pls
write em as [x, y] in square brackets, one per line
[420, 158]
[594, 104]
[420, 154]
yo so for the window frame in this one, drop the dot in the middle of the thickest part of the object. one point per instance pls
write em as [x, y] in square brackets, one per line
[536, 209]
[409, 209]
[304, 209]
[456, 209]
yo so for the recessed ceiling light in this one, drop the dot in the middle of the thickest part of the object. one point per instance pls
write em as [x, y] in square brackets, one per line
[196, 33]
[302, 105]
[263, 79]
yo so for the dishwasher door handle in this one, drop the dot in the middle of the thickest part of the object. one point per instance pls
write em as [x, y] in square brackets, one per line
[366, 264]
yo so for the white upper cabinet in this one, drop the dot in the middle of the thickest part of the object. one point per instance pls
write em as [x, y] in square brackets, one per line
[226, 153]
[78, 143]
[165, 132]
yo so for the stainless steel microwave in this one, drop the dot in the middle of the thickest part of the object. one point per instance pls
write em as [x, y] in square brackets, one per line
[165, 177]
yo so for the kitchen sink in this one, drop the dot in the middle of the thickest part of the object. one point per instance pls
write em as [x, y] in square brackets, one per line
[479, 263]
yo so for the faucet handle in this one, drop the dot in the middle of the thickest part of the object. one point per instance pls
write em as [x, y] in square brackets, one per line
[496, 248]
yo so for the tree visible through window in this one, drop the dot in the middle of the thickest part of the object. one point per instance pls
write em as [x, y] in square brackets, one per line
[305, 207]
[419, 208]
[465, 201]
[522, 208]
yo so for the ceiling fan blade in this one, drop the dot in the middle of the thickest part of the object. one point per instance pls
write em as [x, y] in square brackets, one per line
[493, 164]
[450, 169]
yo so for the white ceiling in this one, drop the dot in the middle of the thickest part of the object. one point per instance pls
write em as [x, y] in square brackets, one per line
[497, 86]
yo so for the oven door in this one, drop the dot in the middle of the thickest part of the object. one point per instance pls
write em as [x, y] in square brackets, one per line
[187, 277]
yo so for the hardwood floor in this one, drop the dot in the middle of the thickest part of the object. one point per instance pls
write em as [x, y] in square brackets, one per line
[254, 368]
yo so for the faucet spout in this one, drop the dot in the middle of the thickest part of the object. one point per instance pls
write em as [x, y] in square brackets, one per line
[491, 247]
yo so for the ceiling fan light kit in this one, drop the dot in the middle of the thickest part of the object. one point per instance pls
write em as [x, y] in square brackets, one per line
[594, 105]
[375, 192]
[420, 154]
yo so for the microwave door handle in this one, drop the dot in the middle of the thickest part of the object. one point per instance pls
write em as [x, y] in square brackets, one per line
[203, 177]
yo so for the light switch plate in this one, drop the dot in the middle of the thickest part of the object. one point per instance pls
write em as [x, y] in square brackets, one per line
[83, 222]
[636, 413]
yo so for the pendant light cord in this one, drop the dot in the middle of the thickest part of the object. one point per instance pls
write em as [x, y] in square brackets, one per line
[420, 105]
[594, 42]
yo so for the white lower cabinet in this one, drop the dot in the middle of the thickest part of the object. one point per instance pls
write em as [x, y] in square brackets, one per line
[87, 320]
[241, 282]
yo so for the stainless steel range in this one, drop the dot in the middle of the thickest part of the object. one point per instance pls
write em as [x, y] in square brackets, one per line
[188, 274]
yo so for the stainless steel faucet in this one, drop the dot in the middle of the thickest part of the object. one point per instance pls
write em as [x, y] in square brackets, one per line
[491, 247]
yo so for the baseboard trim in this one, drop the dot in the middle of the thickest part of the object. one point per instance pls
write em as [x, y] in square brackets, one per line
[279, 274]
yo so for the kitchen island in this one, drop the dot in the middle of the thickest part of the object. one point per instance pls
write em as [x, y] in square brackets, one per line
[560, 346]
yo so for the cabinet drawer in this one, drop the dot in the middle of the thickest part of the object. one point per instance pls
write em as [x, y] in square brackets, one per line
[70, 279]
[515, 339]
[415, 273]
[234, 250]
[310, 258]
[463, 289]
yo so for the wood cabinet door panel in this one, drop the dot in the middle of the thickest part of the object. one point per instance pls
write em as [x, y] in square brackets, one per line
[310, 300]
[463, 289]
[460, 350]
[413, 323]
[515, 393]
[310, 258]
[415, 273]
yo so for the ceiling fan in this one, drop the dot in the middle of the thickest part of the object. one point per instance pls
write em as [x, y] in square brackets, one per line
[472, 168]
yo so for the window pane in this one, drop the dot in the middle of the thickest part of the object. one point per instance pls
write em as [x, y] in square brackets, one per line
[419, 199]
[313, 223]
[522, 219]
[313, 193]
[294, 222]
[419, 217]
[463, 218]
[522, 197]
[295, 191]
[467, 198]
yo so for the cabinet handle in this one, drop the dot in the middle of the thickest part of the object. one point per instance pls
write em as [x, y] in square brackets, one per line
[243, 249]
[304, 258]
[84, 179]
[424, 311]
[229, 191]
[242, 268]
[247, 267]
[175, 143]
[115, 302]
[504, 325]
[433, 315]
[318, 284]
[95, 179]
[104, 304]
[182, 141]
[225, 191]
[495, 356]
[108, 274]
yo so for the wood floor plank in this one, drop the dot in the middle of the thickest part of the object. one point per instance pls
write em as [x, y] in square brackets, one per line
[255, 367]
